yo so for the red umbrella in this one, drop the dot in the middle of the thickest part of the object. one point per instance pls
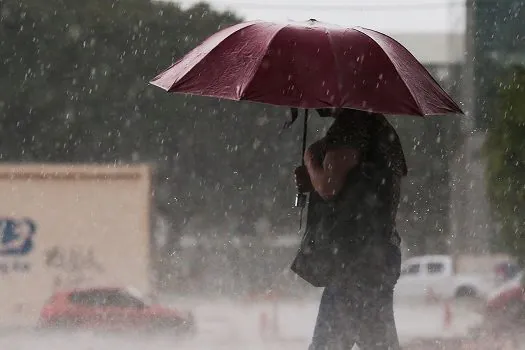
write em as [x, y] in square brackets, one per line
[308, 65]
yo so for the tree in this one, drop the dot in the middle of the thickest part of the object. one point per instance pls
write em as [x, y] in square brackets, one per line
[504, 150]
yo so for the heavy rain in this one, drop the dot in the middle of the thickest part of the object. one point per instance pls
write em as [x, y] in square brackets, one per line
[148, 174]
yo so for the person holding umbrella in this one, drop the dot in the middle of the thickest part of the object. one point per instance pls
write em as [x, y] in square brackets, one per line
[353, 176]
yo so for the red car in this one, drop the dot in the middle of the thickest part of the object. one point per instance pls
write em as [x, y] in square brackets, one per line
[111, 309]
[505, 311]
[508, 296]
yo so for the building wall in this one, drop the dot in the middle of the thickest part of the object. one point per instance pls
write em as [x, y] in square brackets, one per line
[434, 49]
[70, 226]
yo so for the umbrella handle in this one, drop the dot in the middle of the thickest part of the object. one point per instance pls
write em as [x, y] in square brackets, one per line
[300, 198]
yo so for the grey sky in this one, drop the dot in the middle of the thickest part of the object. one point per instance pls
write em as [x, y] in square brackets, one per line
[392, 16]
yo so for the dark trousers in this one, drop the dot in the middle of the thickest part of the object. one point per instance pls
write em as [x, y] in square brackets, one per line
[359, 310]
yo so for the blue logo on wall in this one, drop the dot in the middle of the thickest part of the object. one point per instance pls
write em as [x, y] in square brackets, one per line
[17, 236]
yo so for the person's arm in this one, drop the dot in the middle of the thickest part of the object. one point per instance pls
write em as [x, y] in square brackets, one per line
[328, 177]
[344, 145]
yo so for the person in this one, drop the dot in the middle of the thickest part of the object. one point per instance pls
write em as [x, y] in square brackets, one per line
[353, 177]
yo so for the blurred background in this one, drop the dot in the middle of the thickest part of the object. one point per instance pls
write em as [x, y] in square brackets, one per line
[118, 182]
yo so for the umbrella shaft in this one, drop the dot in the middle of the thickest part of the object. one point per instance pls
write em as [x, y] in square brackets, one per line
[300, 198]
[305, 131]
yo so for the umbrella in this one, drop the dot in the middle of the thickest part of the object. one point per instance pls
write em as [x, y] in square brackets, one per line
[308, 65]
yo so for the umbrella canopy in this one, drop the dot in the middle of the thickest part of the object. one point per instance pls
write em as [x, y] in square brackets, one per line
[308, 65]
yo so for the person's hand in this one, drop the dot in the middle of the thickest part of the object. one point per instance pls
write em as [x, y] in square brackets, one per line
[302, 180]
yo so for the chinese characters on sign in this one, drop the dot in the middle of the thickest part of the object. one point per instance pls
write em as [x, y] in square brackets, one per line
[7, 267]
[72, 266]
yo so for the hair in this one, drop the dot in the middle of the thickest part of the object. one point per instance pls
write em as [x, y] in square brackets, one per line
[352, 118]
[335, 112]
[345, 118]
[325, 112]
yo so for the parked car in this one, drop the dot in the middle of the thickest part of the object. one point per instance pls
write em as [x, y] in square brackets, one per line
[507, 297]
[443, 277]
[503, 317]
[111, 309]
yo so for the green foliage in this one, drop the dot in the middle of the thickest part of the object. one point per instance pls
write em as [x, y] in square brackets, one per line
[505, 153]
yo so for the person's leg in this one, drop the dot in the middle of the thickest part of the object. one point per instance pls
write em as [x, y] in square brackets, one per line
[336, 326]
[377, 329]
[358, 308]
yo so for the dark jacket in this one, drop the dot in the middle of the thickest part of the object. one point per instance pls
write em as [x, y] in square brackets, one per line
[357, 227]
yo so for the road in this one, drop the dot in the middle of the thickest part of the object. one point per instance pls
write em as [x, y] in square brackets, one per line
[237, 326]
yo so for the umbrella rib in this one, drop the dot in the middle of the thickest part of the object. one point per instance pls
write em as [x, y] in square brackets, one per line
[257, 65]
[244, 25]
[407, 51]
[395, 68]
[337, 66]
